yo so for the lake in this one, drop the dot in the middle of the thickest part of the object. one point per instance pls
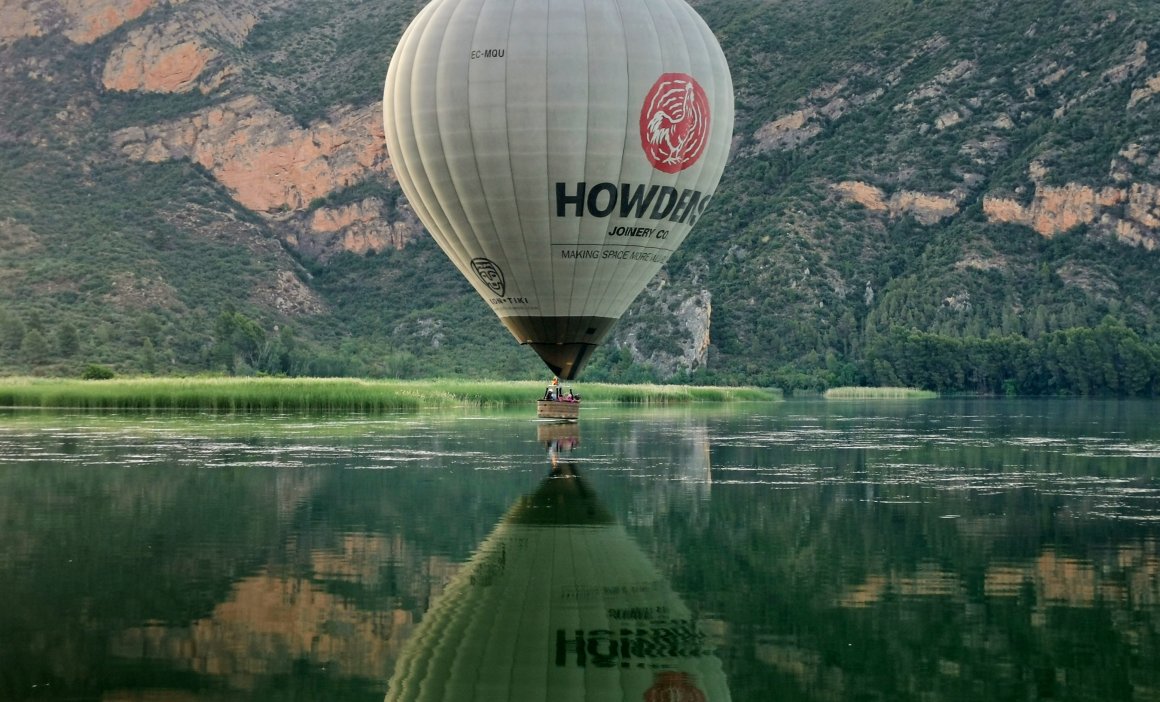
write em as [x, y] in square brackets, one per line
[804, 550]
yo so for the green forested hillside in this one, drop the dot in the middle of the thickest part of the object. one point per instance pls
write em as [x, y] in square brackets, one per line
[959, 195]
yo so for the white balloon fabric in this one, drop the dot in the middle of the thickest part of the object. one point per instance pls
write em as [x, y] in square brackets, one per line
[558, 151]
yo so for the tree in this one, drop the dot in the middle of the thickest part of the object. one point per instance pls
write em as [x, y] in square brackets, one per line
[67, 341]
[11, 332]
[148, 356]
[238, 340]
[34, 348]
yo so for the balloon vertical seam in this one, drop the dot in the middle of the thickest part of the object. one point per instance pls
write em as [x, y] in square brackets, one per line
[613, 294]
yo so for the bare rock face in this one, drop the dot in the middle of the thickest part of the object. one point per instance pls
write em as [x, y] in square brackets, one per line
[82, 21]
[359, 228]
[268, 162]
[948, 120]
[159, 59]
[926, 208]
[1136, 61]
[275, 167]
[1130, 214]
[93, 19]
[179, 54]
[696, 315]
[262, 156]
[829, 103]
[1144, 205]
[1151, 87]
[937, 86]
[289, 295]
[1005, 210]
[686, 316]
[20, 21]
[789, 131]
[864, 194]
[798, 127]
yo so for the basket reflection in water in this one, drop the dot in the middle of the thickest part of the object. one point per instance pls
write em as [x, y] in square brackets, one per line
[559, 604]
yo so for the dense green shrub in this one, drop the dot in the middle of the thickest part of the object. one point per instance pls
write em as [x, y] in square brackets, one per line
[95, 371]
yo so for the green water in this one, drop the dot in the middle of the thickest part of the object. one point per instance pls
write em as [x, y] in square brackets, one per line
[805, 550]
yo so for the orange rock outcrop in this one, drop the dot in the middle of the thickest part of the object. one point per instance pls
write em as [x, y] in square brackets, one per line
[1132, 214]
[789, 131]
[359, 228]
[926, 208]
[1151, 87]
[82, 21]
[157, 67]
[93, 19]
[182, 53]
[266, 160]
[1144, 205]
[864, 194]
[20, 21]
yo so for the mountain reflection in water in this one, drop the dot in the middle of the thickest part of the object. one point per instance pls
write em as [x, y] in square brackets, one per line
[939, 550]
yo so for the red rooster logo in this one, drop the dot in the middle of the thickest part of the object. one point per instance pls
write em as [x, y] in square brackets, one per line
[674, 122]
[672, 686]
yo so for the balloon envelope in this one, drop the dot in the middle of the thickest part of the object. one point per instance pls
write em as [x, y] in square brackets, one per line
[558, 151]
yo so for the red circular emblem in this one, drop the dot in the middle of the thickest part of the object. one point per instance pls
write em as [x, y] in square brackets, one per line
[674, 122]
[671, 686]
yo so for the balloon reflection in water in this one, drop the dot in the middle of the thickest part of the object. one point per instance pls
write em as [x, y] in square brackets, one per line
[559, 604]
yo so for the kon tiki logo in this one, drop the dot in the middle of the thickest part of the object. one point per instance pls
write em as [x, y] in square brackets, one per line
[674, 122]
[490, 274]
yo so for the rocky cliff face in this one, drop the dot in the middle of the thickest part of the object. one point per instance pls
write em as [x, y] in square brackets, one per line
[82, 21]
[1128, 211]
[160, 59]
[1130, 214]
[686, 312]
[184, 49]
[361, 227]
[267, 161]
[927, 208]
[263, 157]
[273, 166]
[1122, 209]
[828, 104]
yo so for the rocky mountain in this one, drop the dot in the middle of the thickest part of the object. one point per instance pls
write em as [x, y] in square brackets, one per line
[195, 184]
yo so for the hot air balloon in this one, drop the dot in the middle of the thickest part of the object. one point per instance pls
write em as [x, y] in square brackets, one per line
[558, 151]
[559, 604]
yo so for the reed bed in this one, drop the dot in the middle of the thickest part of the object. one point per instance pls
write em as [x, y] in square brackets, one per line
[280, 395]
[856, 393]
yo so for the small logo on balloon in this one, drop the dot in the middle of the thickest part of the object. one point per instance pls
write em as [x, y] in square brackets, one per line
[674, 122]
[671, 686]
[490, 274]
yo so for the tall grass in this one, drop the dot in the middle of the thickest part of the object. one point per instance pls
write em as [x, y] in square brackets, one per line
[853, 393]
[329, 395]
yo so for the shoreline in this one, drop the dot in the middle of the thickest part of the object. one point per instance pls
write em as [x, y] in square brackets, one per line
[227, 394]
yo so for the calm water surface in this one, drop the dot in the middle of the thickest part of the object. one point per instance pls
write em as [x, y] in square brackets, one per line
[936, 550]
